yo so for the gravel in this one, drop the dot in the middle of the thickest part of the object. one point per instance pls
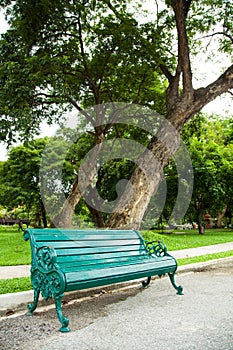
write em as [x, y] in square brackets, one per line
[21, 332]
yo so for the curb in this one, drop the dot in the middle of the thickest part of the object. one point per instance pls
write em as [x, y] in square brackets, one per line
[18, 301]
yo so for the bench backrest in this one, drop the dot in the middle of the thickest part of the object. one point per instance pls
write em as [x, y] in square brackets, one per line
[87, 245]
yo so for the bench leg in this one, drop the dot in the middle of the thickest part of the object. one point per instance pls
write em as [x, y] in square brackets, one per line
[32, 307]
[146, 283]
[64, 320]
[172, 279]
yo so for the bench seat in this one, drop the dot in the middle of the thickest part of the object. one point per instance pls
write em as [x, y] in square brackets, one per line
[69, 260]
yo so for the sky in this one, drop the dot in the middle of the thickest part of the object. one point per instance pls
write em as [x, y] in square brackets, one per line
[206, 74]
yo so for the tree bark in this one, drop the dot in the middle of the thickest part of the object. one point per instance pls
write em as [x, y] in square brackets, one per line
[221, 215]
[87, 175]
[64, 219]
[43, 212]
[97, 217]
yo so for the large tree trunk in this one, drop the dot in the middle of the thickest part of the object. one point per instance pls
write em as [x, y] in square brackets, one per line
[87, 173]
[97, 217]
[145, 179]
[64, 218]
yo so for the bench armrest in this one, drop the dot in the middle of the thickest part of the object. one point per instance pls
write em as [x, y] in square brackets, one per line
[156, 247]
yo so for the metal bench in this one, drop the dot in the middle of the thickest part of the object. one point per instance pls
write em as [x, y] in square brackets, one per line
[69, 260]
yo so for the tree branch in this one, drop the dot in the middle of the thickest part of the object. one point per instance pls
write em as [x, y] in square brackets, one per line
[220, 86]
[84, 113]
[166, 72]
[180, 8]
[92, 85]
[139, 88]
[218, 33]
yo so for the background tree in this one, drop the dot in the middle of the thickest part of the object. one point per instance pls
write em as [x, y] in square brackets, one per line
[59, 55]
[20, 180]
[212, 162]
[75, 56]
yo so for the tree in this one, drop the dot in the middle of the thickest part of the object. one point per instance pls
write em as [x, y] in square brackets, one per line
[20, 180]
[183, 102]
[84, 53]
[73, 57]
[211, 156]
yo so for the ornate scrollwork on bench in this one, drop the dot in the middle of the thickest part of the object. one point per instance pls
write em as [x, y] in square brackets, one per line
[46, 258]
[45, 273]
[48, 280]
[49, 284]
[156, 247]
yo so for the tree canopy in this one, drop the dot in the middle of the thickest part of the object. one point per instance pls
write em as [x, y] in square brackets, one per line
[60, 55]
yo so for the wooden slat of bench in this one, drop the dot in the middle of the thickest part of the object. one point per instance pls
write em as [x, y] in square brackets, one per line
[71, 259]
[103, 263]
[84, 251]
[145, 267]
[90, 244]
[82, 237]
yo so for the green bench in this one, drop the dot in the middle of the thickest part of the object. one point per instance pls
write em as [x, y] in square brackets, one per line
[69, 260]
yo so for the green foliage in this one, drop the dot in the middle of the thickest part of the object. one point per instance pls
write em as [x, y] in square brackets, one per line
[212, 164]
[19, 178]
[69, 55]
[59, 55]
[109, 176]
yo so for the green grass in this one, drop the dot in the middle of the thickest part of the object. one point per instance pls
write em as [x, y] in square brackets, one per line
[15, 285]
[203, 258]
[13, 249]
[190, 238]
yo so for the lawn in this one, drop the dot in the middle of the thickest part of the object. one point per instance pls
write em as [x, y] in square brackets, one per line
[190, 238]
[15, 251]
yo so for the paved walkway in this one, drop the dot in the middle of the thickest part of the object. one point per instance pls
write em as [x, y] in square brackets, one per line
[24, 270]
[200, 319]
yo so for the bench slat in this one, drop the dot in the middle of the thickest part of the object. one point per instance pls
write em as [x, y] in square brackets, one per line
[103, 262]
[80, 251]
[38, 234]
[82, 237]
[147, 267]
[107, 263]
[90, 244]
[97, 256]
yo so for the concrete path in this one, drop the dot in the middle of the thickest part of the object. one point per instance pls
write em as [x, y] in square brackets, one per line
[24, 270]
[200, 319]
